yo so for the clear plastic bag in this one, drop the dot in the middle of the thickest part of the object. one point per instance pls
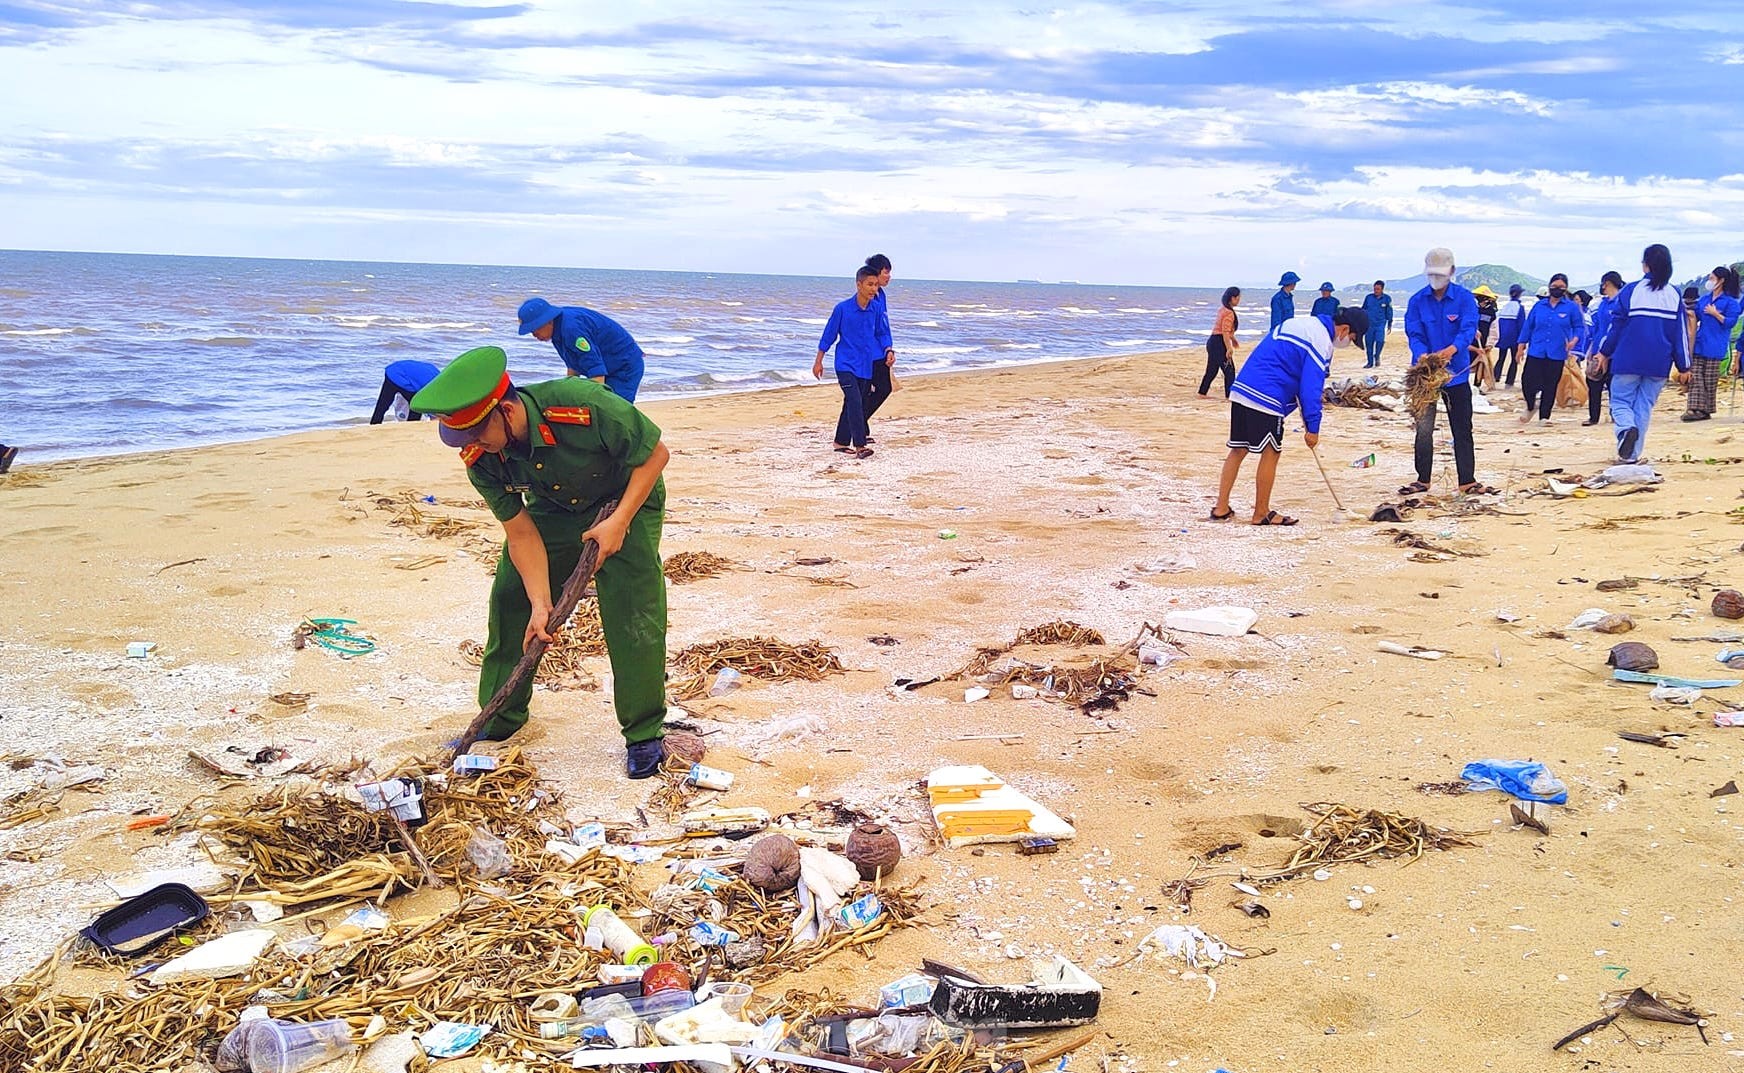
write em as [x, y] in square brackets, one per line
[489, 854]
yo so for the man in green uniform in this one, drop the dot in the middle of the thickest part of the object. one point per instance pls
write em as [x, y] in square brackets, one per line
[546, 457]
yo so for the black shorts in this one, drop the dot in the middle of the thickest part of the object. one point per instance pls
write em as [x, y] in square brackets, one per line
[1253, 430]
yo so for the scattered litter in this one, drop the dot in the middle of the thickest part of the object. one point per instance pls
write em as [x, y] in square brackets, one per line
[1676, 694]
[1622, 475]
[1059, 995]
[974, 693]
[763, 658]
[1587, 619]
[450, 1039]
[1666, 680]
[1414, 651]
[140, 649]
[971, 806]
[333, 634]
[1524, 818]
[726, 680]
[143, 922]
[1525, 779]
[1174, 564]
[228, 955]
[1730, 788]
[1214, 621]
[947, 534]
[1614, 624]
[470, 764]
[1188, 943]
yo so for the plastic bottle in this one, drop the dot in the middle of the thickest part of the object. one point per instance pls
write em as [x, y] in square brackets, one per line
[725, 682]
[607, 931]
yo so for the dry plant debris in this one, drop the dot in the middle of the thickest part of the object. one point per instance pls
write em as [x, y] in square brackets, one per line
[687, 566]
[1423, 384]
[479, 961]
[564, 663]
[763, 658]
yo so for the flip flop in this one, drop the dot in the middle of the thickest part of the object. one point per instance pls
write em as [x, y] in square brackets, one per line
[1274, 518]
[844, 450]
[864, 452]
[1479, 489]
[1414, 488]
[1224, 517]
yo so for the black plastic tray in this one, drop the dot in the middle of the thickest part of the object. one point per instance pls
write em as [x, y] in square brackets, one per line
[147, 920]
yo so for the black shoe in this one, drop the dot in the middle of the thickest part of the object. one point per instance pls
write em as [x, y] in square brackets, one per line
[7, 454]
[1626, 445]
[643, 758]
[1585, 424]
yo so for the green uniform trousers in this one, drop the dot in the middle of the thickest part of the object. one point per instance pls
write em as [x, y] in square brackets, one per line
[632, 604]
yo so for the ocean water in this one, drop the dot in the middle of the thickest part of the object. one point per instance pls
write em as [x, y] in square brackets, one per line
[111, 353]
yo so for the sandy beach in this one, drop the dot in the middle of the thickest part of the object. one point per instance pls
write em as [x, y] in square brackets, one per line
[1062, 483]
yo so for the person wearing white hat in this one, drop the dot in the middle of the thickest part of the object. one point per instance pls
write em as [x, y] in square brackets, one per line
[1441, 320]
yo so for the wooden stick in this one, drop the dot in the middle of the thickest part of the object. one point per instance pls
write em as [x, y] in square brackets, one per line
[1034, 1061]
[565, 606]
[1325, 478]
[417, 854]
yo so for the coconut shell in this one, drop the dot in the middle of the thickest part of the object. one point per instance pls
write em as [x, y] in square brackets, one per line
[873, 848]
[1633, 656]
[686, 746]
[1614, 624]
[1729, 603]
[772, 865]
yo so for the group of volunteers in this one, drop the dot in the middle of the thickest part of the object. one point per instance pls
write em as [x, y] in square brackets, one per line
[1630, 342]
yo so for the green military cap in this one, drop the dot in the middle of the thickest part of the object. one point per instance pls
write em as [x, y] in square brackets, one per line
[465, 393]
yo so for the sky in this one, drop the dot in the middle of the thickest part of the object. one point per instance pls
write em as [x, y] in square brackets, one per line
[1190, 143]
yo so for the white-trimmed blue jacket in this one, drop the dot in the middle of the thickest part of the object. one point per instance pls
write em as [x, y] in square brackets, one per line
[1647, 333]
[1288, 369]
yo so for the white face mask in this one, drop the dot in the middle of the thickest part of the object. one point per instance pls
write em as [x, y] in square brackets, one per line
[1340, 344]
[1439, 280]
[1712, 283]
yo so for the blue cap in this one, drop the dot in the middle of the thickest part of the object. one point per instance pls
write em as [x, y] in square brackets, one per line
[1288, 278]
[1326, 286]
[1514, 291]
[536, 313]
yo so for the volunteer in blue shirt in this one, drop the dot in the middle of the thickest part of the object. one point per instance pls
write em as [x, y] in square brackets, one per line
[1645, 339]
[1378, 306]
[402, 379]
[1286, 370]
[883, 378]
[1716, 313]
[1441, 320]
[1284, 302]
[860, 332]
[1325, 305]
[1551, 335]
[1509, 316]
[1598, 378]
[590, 343]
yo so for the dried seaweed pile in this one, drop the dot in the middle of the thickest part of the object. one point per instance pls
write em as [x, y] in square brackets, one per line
[687, 566]
[1101, 680]
[406, 512]
[564, 663]
[481, 961]
[1361, 396]
[763, 658]
[1057, 632]
[1423, 384]
[305, 844]
[1345, 834]
[34, 803]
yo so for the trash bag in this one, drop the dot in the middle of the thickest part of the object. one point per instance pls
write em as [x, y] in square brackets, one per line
[1572, 390]
[489, 854]
[1526, 779]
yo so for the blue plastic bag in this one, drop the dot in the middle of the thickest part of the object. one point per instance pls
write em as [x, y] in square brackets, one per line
[1526, 779]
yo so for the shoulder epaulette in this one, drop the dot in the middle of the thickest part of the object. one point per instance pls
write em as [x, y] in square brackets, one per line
[471, 453]
[569, 415]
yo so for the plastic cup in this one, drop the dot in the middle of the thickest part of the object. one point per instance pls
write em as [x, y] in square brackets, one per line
[288, 1046]
[733, 996]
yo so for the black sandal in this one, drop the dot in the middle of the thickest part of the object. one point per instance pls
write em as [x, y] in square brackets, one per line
[1274, 518]
[1414, 488]
[1224, 517]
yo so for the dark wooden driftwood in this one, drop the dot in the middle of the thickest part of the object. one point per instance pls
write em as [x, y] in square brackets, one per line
[535, 650]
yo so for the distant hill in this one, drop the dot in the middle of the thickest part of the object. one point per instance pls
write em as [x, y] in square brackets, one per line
[1496, 277]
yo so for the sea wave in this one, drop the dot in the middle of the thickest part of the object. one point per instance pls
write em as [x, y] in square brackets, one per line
[77, 330]
[221, 340]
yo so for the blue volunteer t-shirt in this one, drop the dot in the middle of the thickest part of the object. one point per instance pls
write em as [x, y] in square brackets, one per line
[593, 344]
